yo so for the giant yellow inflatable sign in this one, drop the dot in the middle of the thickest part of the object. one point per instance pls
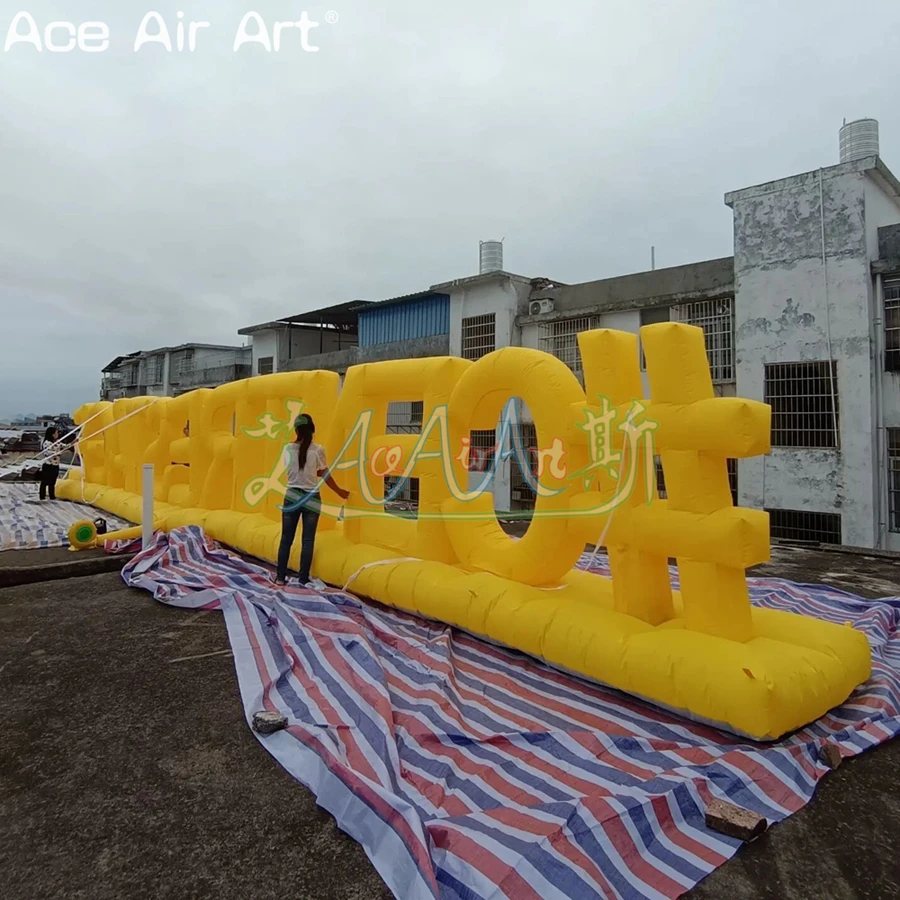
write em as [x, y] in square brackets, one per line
[703, 651]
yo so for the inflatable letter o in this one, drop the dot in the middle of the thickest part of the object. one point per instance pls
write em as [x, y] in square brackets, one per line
[549, 389]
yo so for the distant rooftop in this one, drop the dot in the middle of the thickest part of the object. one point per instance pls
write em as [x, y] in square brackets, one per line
[345, 316]
[143, 354]
[710, 279]
[406, 298]
[481, 279]
[342, 316]
[111, 367]
[873, 166]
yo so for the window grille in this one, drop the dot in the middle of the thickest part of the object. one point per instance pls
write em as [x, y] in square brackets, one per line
[799, 525]
[407, 496]
[893, 437]
[716, 318]
[185, 364]
[154, 370]
[404, 417]
[891, 288]
[521, 493]
[481, 450]
[561, 339]
[801, 395]
[478, 336]
[265, 365]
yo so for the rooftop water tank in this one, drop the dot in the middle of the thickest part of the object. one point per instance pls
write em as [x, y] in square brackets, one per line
[859, 139]
[491, 256]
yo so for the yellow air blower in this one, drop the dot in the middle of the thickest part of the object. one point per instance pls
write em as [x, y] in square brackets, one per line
[88, 535]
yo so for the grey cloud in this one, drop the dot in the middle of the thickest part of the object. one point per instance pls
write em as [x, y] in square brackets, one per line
[150, 199]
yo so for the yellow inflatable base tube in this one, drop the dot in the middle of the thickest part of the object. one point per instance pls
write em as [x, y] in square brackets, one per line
[792, 671]
[704, 651]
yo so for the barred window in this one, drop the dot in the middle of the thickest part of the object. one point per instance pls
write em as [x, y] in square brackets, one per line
[478, 336]
[561, 339]
[404, 418]
[716, 318]
[805, 403]
[154, 370]
[800, 525]
[185, 363]
[481, 450]
[891, 287]
[521, 493]
[893, 461]
[265, 365]
[407, 497]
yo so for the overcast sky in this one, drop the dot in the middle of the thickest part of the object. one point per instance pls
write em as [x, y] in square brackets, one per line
[153, 198]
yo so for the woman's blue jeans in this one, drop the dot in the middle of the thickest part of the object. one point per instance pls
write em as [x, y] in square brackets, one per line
[298, 506]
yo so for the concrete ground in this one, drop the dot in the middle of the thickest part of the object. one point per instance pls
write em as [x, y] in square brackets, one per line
[55, 563]
[46, 556]
[127, 769]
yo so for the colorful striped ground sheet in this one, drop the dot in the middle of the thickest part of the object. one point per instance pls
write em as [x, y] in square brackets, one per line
[471, 772]
[27, 523]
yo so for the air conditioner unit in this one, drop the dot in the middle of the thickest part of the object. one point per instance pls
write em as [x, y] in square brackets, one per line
[539, 307]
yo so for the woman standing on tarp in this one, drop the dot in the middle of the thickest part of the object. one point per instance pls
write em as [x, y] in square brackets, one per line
[50, 467]
[305, 463]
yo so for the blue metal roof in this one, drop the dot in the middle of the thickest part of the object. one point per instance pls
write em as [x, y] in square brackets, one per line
[400, 319]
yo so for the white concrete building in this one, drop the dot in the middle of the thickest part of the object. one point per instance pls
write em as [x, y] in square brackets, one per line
[805, 317]
[170, 371]
[815, 278]
[274, 345]
[483, 311]
[810, 333]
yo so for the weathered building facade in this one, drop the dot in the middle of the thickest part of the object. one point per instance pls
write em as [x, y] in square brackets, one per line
[810, 333]
[170, 371]
[805, 317]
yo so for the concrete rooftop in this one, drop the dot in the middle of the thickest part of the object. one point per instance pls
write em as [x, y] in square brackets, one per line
[127, 769]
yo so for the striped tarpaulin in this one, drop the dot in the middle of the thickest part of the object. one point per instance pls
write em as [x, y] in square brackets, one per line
[27, 523]
[470, 772]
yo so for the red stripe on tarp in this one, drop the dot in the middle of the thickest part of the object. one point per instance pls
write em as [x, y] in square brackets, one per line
[406, 701]
[347, 774]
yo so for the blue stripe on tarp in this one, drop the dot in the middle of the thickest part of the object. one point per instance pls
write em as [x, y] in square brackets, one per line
[404, 705]
[27, 525]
